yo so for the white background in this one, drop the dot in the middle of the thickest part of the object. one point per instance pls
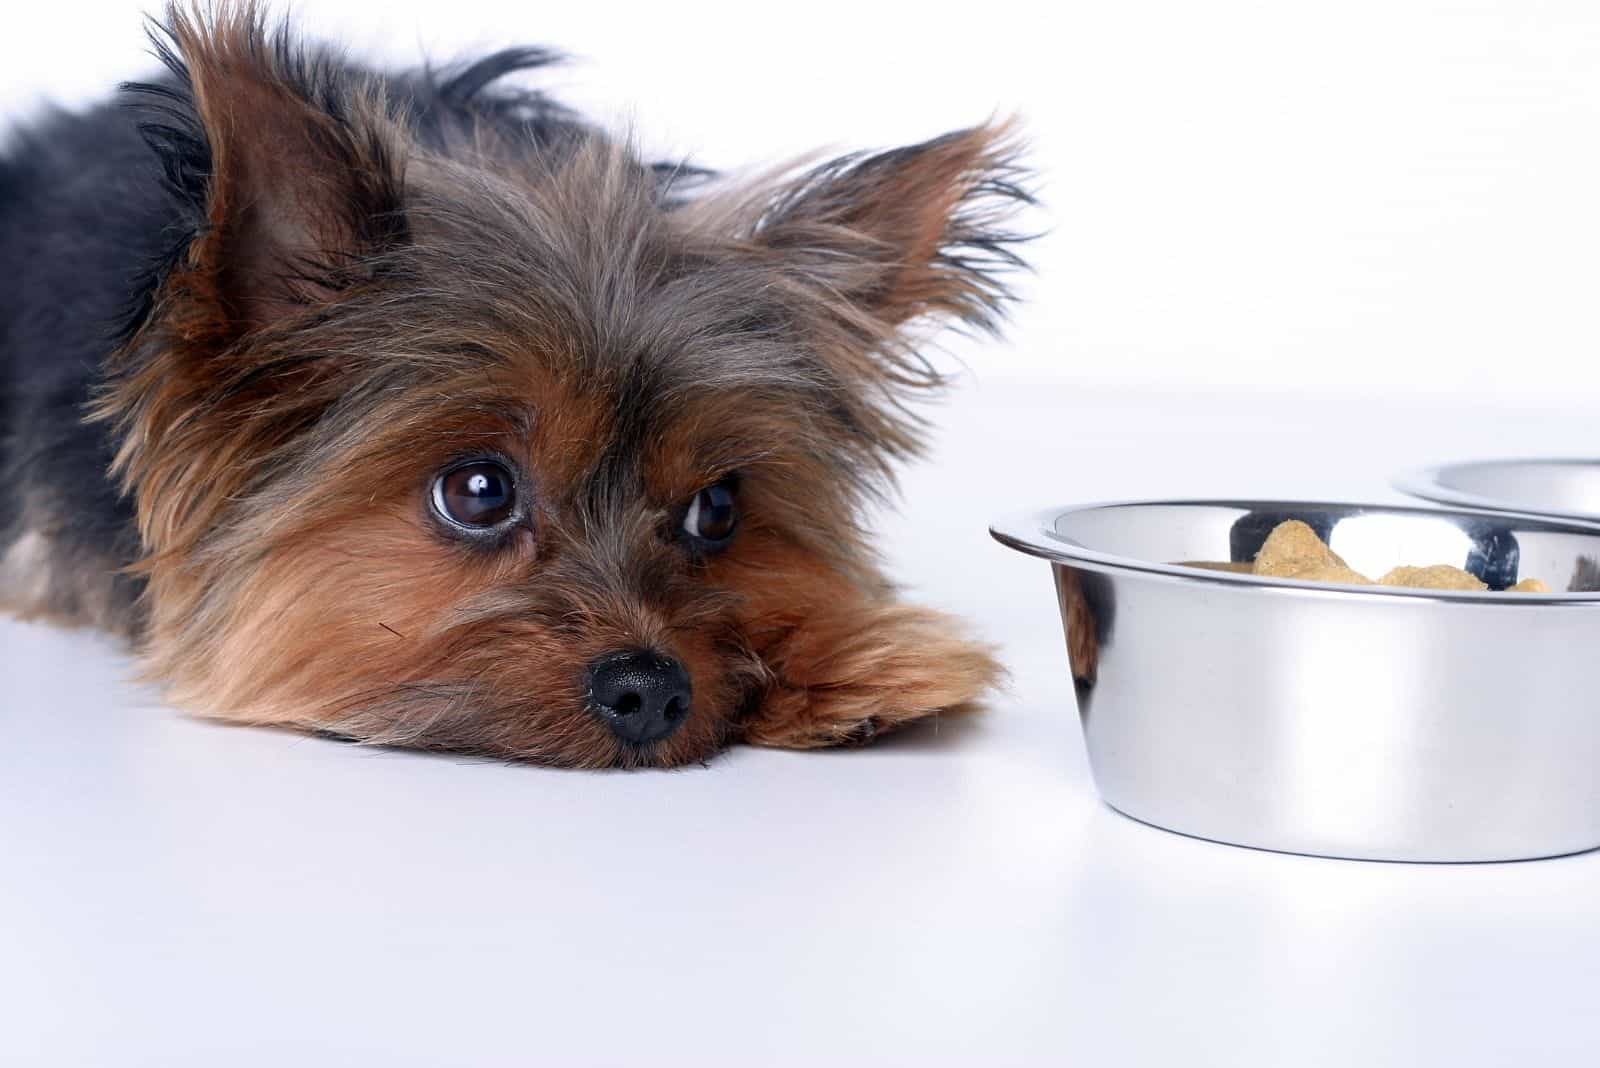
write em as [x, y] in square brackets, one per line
[1296, 207]
[1377, 196]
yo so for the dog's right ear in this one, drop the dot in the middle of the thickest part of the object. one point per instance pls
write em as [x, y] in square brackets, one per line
[292, 176]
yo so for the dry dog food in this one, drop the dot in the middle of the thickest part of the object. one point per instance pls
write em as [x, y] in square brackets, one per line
[1293, 550]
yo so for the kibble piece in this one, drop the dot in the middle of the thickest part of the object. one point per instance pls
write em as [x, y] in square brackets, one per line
[1434, 577]
[1222, 565]
[1332, 573]
[1292, 550]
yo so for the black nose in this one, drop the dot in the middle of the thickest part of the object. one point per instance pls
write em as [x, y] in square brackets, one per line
[642, 696]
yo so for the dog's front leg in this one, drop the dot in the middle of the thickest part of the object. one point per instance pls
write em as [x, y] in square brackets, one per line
[851, 668]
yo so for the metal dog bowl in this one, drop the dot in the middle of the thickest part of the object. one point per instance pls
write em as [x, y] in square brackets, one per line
[1569, 489]
[1342, 721]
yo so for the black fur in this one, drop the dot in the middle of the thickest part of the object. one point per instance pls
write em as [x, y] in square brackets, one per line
[83, 212]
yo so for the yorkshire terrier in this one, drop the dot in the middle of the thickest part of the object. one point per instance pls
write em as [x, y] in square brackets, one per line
[414, 409]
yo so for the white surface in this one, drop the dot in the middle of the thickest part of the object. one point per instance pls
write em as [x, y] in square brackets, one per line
[176, 893]
[1397, 191]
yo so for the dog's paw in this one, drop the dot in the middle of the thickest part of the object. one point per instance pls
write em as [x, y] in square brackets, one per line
[846, 678]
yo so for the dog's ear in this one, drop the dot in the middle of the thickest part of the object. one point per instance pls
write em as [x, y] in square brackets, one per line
[862, 250]
[912, 232]
[285, 185]
[293, 173]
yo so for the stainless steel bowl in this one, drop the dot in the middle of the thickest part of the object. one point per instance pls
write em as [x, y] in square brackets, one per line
[1341, 721]
[1569, 489]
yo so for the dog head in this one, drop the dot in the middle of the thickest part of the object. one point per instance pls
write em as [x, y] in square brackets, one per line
[451, 423]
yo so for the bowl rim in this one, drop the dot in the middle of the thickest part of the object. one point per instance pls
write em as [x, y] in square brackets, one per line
[1427, 483]
[1027, 532]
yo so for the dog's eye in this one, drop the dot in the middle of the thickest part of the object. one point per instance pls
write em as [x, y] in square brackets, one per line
[477, 496]
[713, 515]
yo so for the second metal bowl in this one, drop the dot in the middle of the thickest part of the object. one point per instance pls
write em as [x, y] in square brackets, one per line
[1342, 721]
[1566, 489]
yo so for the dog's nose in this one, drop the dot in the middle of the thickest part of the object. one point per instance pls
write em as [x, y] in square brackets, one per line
[642, 696]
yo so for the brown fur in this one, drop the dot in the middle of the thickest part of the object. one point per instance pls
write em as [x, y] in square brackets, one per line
[361, 308]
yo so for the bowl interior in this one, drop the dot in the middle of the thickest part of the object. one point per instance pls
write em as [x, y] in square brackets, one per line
[1500, 550]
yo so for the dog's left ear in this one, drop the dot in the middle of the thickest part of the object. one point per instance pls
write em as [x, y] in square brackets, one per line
[912, 232]
[286, 184]
[295, 169]
[860, 251]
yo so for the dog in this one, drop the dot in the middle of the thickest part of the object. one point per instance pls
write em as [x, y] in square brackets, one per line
[413, 409]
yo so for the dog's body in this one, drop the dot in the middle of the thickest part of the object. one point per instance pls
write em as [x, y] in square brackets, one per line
[74, 229]
[415, 410]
